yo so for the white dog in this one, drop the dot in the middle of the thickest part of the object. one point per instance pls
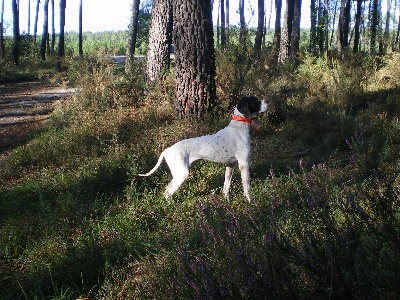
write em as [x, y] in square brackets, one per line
[230, 146]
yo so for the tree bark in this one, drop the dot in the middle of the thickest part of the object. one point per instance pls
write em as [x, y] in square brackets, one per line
[194, 57]
[16, 35]
[2, 46]
[80, 34]
[29, 19]
[277, 33]
[343, 26]
[45, 30]
[36, 21]
[260, 28]
[53, 29]
[61, 42]
[227, 20]
[223, 31]
[286, 32]
[295, 36]
[242, 34]
[160, 40]
[313, 29]
[133, 29]
[374, 24]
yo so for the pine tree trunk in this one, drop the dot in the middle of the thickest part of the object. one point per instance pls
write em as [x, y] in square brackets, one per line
[194, 56]
[53, 29]
[133, 28]
[357, 27]
[242, 34]
[286, 32]
[260, 28]
[374, 24]
[160, 40]
[227, 20]
[277, 33]
[45, 30]
[36, 21]
[16, 36]
[80, 34]
[29, 19]
[61, 42]
[2, 46]
[223, 31]
[295, 36]
[313, 29]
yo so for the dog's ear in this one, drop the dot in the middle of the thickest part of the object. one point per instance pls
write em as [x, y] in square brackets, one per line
[243, 107]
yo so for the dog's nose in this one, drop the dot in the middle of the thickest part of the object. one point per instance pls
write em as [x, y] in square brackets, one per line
[264, 106]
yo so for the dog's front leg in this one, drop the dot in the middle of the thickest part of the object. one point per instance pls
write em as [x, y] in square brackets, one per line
[228, 178]
[245, 174]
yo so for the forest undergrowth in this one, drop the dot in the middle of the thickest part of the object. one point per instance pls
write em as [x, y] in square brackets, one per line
[76, 221]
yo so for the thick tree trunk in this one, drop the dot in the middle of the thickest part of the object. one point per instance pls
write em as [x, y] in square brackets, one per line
[45, 30]
[160, 40]
[260, 28]
[61, 42]
[343, 26]
[286, 32]
[194, 56]
[16, 36]
[295, 36]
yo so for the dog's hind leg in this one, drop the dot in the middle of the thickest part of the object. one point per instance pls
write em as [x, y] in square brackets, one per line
[174, 185]
[179, 168]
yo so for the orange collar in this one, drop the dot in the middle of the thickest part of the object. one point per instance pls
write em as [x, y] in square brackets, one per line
[241, 119]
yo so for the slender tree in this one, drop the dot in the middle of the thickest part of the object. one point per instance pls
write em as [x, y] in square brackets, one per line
[313, 29]
[227, 20]
[277, 33]
[260, 28]
[36, 21]
[242, 34]
[53, 29]
[374, 24]
[223, 22]
[80, 34]
[16, 35]
[29, 19]
[133, 28]
[357, 27]
[194, 58]
[2, 47]
[61, 41]
[45, 30]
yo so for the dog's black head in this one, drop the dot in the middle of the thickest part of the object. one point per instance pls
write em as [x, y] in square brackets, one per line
[250, 105]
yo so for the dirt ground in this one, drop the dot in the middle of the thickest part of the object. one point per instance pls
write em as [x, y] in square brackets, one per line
[24, 106]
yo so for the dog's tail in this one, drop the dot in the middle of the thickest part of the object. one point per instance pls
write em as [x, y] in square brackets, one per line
[160, 159]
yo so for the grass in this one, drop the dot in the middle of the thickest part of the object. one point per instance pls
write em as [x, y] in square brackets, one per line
[77, 222]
